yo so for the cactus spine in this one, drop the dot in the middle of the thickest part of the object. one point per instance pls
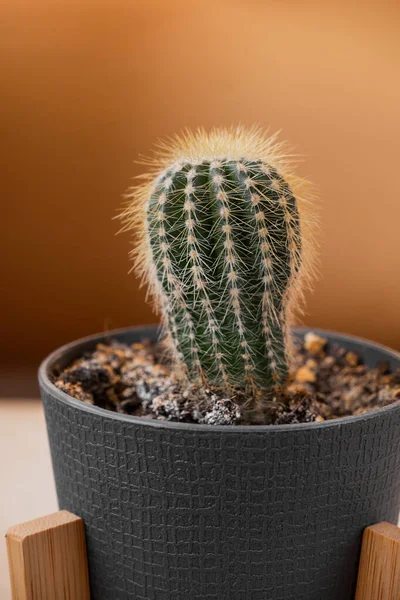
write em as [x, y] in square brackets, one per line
[224, 245]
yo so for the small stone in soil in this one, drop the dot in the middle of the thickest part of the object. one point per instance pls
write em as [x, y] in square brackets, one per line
[223, 412]
[91, 375]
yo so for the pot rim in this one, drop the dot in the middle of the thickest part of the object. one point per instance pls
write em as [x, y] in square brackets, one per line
[49, 387]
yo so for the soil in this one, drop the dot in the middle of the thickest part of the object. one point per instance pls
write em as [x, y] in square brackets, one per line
[326, 382]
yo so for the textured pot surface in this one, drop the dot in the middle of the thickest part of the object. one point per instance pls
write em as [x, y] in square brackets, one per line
[194, 512]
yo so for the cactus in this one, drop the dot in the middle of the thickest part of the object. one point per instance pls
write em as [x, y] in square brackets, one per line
[225, 247]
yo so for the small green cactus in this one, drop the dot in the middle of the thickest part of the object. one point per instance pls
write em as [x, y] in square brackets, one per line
[224, 246]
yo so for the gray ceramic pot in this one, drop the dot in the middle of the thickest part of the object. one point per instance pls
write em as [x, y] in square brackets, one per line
[195, 512]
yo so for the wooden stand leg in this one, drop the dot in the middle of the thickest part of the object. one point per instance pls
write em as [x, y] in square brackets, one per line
[379, 572]
[47, 559]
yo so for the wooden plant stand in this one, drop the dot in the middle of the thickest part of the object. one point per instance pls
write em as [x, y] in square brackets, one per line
[47, 560]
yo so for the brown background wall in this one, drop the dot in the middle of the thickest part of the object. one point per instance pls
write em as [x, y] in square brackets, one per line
[86, 86]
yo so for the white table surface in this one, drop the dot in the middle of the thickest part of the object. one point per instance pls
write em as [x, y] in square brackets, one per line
[27, 489]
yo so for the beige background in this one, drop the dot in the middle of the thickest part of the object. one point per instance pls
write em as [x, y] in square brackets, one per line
[87, 86]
